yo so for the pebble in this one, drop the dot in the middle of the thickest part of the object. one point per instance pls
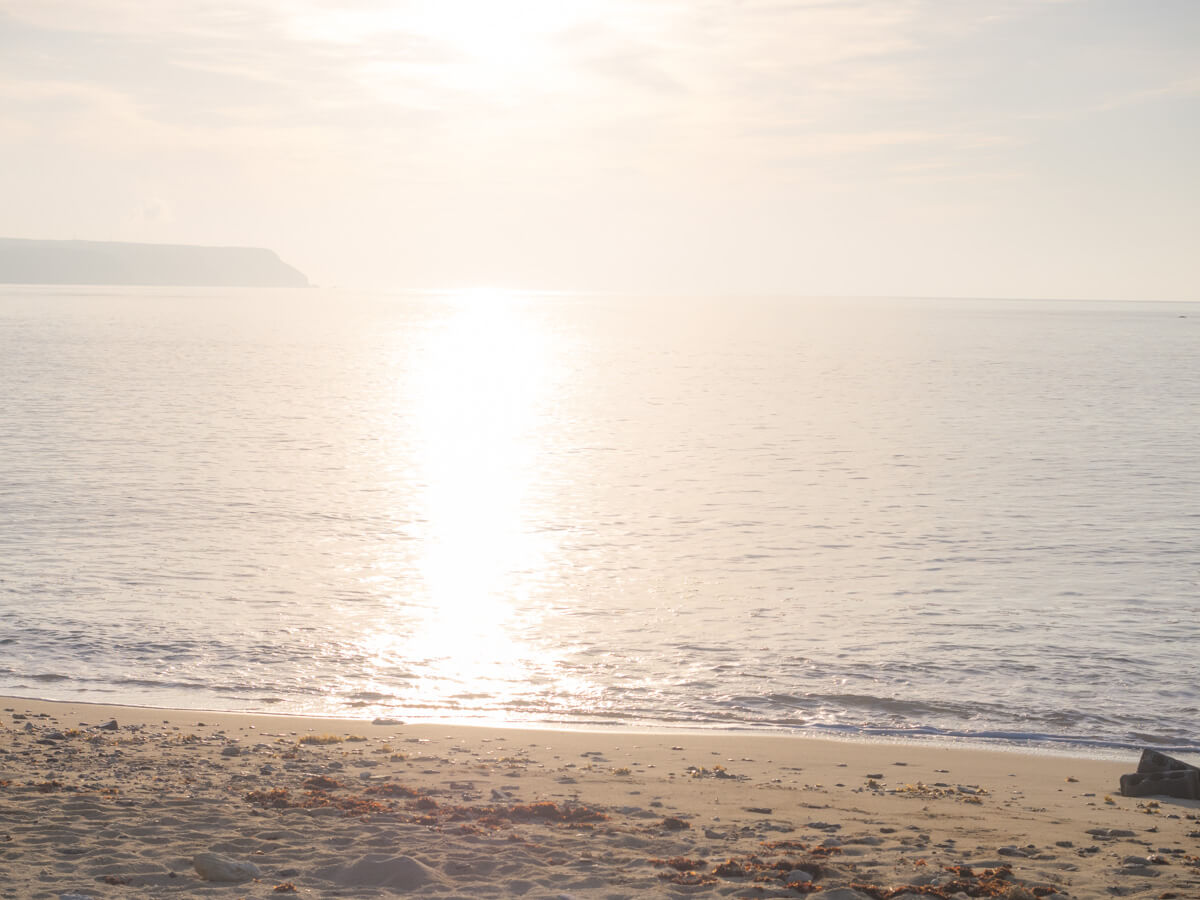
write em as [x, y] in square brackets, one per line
[1013, 851]
[800, 875]
[1135, 861]
[212, 867]
[1110, 832]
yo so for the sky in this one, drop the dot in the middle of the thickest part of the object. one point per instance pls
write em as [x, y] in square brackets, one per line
[993, 148]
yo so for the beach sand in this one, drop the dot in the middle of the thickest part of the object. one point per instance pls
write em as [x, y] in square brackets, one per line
[110, 802]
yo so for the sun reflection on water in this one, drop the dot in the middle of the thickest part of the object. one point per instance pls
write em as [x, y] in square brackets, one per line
[473, 413]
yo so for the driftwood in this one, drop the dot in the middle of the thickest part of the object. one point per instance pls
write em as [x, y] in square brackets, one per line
[1159, 774]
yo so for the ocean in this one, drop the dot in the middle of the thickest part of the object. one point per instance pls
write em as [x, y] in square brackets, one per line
[910, 518]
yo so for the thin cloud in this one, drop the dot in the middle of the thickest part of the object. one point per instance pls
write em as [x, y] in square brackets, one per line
[1179, 88]
[388, 118]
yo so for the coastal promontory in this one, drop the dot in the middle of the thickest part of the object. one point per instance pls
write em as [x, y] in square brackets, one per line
[25, 261]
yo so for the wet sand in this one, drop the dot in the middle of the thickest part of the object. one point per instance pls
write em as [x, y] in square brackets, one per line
[108, 802]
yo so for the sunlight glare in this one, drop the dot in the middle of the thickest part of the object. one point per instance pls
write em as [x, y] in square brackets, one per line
[478, 45]
[504, 35]
[475, 425]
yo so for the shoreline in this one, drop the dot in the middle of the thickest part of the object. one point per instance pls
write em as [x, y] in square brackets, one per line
[95, 798]
[1032, 744]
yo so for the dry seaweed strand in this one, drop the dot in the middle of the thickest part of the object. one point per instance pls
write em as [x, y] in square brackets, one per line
[996, 882]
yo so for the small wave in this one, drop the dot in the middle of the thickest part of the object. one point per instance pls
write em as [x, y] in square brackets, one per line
[1021, 738]
[895, 706]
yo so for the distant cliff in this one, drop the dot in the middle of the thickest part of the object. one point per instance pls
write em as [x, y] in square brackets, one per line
[96, 262]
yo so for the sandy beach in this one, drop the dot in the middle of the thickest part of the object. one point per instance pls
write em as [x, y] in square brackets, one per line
[107, 802]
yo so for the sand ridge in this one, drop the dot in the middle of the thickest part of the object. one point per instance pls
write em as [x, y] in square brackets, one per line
[116, 802]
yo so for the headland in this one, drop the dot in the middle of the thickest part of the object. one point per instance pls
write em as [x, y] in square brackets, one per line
[25, 261]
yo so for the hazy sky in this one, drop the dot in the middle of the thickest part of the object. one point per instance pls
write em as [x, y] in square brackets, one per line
[1032, 148]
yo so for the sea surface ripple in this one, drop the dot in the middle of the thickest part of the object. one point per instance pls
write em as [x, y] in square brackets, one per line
[955, 519]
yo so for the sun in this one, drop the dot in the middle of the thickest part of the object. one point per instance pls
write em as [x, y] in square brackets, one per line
[510, 36]
[484, 45]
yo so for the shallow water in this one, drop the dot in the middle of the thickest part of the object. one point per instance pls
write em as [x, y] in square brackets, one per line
[875, 516]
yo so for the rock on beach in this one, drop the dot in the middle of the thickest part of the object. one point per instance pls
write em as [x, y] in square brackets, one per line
[212, 867]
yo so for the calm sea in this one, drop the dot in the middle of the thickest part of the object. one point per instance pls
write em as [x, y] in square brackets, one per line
[886, 516]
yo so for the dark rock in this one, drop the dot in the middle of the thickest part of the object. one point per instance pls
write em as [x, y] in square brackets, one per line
[823, 826]
[1152, 762]
[1012, 851]
[1184, 784]
[1162, 775]
[1138, 871]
